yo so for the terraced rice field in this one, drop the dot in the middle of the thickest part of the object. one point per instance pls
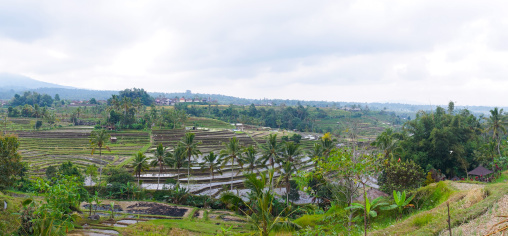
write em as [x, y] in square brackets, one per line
[42, 149]
[45, 148]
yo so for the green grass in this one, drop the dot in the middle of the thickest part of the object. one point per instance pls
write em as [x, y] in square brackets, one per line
[9, 223]
[197, 227]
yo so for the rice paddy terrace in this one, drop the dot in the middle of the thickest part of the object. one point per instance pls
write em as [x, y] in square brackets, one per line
[42, 149]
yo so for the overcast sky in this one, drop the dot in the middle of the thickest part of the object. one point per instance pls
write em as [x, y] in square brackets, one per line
[427, 52]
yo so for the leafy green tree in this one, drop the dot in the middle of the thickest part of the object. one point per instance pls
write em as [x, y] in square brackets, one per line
[135, 93]
[232, 151]
[68, 169]
[98, 139]
[54, 214]
[160, 154]
[350, 167]
[51, 172]
[190, 149]
[441, 141]
[140, 164]
[10, 160]
[496, 124]
[119, 175]
[401, 176]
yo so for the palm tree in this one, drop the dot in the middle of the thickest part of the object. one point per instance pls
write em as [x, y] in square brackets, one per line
[190, 149]
[497, 123]
[140, 164]
[316, 153]
[260, 204]
[251, 158]
[327, 142]
[211, 162]
[232, 150]
[271, 149]
[126, 104]
[176, 159]
[290, 154]
[178, 116]
[387, 141]
[160, 154]
[98, 139]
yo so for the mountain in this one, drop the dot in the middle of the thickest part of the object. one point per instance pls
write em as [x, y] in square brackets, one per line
[19, 82]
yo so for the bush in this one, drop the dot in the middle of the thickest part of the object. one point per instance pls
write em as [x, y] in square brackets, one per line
[68, 169]
[309, 220]
[401, 176]
[119, 175]
[51, 172]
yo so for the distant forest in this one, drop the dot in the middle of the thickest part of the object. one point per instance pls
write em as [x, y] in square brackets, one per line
[85, 94]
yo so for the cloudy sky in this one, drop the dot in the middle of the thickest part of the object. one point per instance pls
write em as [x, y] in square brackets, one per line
[422, 51]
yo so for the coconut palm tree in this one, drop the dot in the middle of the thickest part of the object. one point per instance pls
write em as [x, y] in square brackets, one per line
[290, 158]
[387, 141]
[271, 149]
[260, 204]
[497, 123]
[140, 164]
[251, 159]
[232, 151]
[160, 154]
[316, 153]
[98, 139]
[190, 149]
[211, 162]
[176, 159]
[328, 143]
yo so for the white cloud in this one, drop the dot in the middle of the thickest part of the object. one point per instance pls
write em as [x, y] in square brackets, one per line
[356, 50]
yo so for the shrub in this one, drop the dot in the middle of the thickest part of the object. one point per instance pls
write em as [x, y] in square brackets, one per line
[429, 179]
[51, 172]
[68, 169]
[119, 175]
[309, 220]
[401, 176]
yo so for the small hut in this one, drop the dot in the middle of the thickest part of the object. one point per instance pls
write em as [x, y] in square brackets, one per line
[480, 171]
[113, 139]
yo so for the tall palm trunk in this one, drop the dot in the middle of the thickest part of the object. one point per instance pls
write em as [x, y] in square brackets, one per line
[178, 175]
[159, 178]
[211, 174]
[232, 164]
[498, 148]
[188, 172]
[288, 188]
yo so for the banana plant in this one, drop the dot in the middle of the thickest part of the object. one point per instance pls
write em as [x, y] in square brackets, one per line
[401, 202]
[368, 208]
